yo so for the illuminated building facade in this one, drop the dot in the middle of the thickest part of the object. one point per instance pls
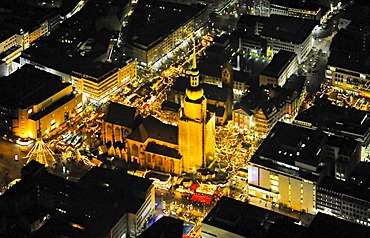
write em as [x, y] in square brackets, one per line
[33, 102]
[299, 9]
[344, 200]
[22, 25]
[218, 89]
[286, 168]
[259, 119]
[97, 83]
[196, 125]
[157, 28]
[258, 111]
[349, 69]
[154, 145]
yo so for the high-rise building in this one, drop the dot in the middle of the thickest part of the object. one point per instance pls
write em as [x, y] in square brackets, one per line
[196, 125]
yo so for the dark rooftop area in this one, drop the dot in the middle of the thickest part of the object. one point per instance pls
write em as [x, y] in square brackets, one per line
[326, 226]
[154, 128]
[289, 144]
[241, 218]
[288, 29]
[336, 119]
[279, 63]
[165, 227]
[163, 150]
[123, 115]
[28, 86]
[153, 20]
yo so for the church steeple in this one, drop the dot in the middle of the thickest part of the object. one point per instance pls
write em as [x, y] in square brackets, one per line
[194, 92]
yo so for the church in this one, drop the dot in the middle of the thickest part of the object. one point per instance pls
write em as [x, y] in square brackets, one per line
[152, 144]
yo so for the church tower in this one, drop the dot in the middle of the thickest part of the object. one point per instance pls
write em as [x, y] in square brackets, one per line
[196, 125]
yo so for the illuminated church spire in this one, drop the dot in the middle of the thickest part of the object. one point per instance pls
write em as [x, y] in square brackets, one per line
[196, 125]
[194, 92]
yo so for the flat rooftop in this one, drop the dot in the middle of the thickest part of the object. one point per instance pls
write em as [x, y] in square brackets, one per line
[348, 51]
[28, 86]
[336, 119]
[279, 63]
[288, 29]
[240, 218]
[289, 146]
[16, 17]
[152, 21]
[80, 44]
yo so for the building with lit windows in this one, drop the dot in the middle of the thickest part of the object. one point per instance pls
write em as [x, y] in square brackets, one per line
[83, 51]
[170, 112]
[300, 9]
[97, 81]
[261, 8]
[34, 103]
[281, 67]
[154, 145]
[344, 200]
[103, 203]
[256, 113]
[348, 123]
[348, 65]
[258, 110]
[21, 26]
[290, 34]
[286, 168]
[157, 28]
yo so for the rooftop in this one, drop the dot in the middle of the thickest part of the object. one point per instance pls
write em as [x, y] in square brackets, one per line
[240, 218]
[291, 149]
[342, 121]
[154, 20]
[350, 51]
[151, 127]
[279, 63]
[122, 115]
[288, 29]
[165, 227]
[162, 150]
[170, 106]
[28, 86]
[327, 226]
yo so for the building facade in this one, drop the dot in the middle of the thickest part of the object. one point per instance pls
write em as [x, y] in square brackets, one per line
[40, 103]
[98, 87]
[196, 126]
